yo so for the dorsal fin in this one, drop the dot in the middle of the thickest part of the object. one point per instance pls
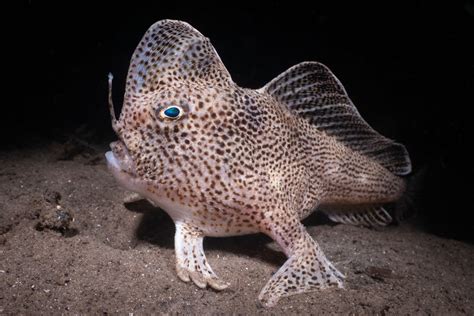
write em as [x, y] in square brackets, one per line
[310, 89]
[172, 51]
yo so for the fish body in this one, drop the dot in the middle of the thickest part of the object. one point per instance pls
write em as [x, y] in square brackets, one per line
[223, 160]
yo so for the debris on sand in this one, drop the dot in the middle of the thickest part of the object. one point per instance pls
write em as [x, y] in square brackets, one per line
[380, 273]
[55, 219]
[52, 216]
[51, 196]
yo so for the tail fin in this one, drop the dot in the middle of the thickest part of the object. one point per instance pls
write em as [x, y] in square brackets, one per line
[406, 206]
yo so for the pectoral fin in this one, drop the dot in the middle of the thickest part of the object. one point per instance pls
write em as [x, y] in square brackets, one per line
[307, 268]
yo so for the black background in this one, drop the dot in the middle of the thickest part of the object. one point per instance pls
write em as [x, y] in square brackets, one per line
[407, 67]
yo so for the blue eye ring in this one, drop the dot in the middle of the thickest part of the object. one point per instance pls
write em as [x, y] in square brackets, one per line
[172, 112]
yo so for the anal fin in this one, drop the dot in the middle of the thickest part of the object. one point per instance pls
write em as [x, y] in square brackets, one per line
[371, 216]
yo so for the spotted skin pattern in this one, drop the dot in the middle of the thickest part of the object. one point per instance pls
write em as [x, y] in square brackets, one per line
[239, 161]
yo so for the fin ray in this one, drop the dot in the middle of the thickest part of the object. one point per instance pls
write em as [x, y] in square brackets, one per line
[367, 217]
[311, 90]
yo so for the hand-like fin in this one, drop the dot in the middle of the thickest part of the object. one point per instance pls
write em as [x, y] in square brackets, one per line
[307, 268]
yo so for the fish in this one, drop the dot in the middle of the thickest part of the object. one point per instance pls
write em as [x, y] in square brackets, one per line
[223, 160]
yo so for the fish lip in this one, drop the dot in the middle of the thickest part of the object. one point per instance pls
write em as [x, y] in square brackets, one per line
[122, 167]
[119, 159]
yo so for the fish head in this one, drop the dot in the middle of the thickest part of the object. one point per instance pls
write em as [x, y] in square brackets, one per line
[178, 116]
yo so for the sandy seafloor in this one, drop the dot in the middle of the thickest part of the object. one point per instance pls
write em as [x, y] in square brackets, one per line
[94, 254]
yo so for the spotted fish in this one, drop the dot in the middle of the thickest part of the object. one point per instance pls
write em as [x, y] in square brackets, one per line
[223, 160]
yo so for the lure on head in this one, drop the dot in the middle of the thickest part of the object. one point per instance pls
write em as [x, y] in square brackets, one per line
[111, 106]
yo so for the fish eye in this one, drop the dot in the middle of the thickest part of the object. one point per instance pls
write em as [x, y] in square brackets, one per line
[171, 112]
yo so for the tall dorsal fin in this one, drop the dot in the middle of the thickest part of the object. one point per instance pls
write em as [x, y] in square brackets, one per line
[311, 90]
[173, 51]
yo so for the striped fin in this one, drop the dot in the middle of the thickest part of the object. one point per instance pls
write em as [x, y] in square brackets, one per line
[311, 90]
[369, 217]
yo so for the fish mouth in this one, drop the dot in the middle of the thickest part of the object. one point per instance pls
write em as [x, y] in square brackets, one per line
[119, 158]
[121, 166]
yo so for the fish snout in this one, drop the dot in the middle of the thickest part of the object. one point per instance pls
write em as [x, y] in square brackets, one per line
[119, 158]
